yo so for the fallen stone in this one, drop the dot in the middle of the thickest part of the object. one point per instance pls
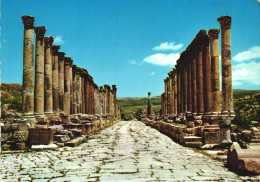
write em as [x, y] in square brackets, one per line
[45, 147]
[249, 164]
[75, 142]
[235, 145]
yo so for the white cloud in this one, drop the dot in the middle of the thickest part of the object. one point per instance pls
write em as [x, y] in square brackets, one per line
[132, 62]
[252, 53]
[246, 72]
[162, 59]
[153, 73]
[58, 40]
[165, 46]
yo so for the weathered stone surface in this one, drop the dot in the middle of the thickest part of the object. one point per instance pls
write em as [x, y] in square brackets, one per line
[125, 151]
[249, 165]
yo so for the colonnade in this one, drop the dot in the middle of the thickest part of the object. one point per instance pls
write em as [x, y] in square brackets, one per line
[61, 88]
[194, 84]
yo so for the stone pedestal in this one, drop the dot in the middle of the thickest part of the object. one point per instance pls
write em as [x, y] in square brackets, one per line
[48, 97]
[149, 105]
[39, 73]
[225, 135]
[227, 92]
[28, 70]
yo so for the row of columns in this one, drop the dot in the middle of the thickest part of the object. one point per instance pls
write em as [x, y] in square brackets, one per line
[194, 85]
[61, 88]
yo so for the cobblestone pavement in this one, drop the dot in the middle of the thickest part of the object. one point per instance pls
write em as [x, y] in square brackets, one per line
[126, 151]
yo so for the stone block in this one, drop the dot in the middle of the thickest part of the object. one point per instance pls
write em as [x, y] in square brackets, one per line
[211, 137]
[193, 144]
[20, 136]
[75, 142]
[61, 138]
[249, 165]
[20, 145]
[40, 136]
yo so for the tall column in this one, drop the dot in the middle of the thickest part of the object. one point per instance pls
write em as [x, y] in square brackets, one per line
[67, 87]
[227, 92]
[189, 60]
[214, 53]
[28, 69]
[200, 97]
[82, 92]
[39, 72]
[206, 76]
[55, 79]
[182, 88]
[61, 82]
[149, 105]
[74, 90]
[48, 97]
[178, 88]
[115, 102]
[175, 90]
[78, 90]
[185, 86]
[171, 95]
[71, 90]
[162, 104]
[165, 96]
[194, 80]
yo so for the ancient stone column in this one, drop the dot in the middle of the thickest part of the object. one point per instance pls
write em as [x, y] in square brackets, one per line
[78, 90]
[206, 76]
[171, 95]
[162, 104]
[214, 53]
[87, 92]
[178, 68]
[182, 88]
[194, 80]
[61, 82]
[165, 96]
[115, 102]
[200, 96]
[85, 86]
[189, 60]
[48, 96]
[71, 90]
[39, 72]
[55, 79]
[185, 98]
[82, 92]
[67, 88]
[227, 92]
[149, 105]
[74, 90]
[175, 90]
[28, 69]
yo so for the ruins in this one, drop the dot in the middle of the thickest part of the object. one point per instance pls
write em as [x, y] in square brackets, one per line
[63, 98]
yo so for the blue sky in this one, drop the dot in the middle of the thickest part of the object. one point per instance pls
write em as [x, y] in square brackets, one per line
[131, 43]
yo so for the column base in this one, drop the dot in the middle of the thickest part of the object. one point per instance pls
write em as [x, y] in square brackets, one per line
[41, 119]
[30, 119]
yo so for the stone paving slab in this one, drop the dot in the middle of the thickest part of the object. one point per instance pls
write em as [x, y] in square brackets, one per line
[126, 151]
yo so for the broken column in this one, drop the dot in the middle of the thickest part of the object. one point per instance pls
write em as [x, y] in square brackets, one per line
[149, 105]
[61, 82]
[227, 92]
[214, 54]
[67, 83]
[28, 70]
[48, 98]
[39, 73]
[55, 80]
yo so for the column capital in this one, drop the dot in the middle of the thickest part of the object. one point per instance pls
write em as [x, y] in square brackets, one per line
[61, 55]
[149, 93]
[114, 87]
[213, 34]
[78, 70]
[28, 22]
[48, 41]
[40, 31]
[67, 60]
[201, 33]
[55, 49]
[225, 21]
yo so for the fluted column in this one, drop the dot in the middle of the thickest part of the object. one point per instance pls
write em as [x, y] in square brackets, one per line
[200, 96]
[214, 53]
[194, 80]
[178, 87]
[39, 72]
[189, 60]
[55, 79]
[71, 90]
[48, 95]
[227, 92]
[67, 86]
[28, 69]
[185, 98]
[61, 82]
[175, 90]
[206, 76]
[74, 90]
[82, 92]
[78, 90]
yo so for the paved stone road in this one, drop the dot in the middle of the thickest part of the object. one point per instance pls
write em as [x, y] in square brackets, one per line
[126, 151]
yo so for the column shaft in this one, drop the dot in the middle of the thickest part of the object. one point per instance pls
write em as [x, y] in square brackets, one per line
[55, 79]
